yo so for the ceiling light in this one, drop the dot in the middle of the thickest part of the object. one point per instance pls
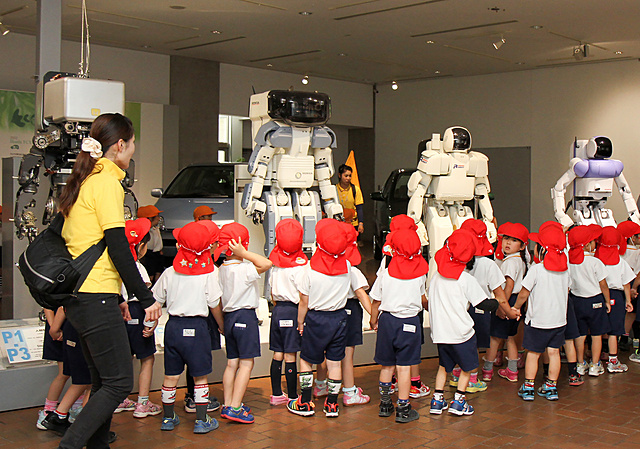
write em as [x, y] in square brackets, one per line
[305, 13]
[305, 80]
[520, 63]
[430, 42]
[437, 72]
[269, 65]
[618, 52]
[537, 27]
[216, 32]
[394, 85]
[499, 43]
[342, 54]
[4, 29]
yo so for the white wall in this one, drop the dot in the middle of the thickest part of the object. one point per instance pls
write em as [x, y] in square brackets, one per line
[544, 109]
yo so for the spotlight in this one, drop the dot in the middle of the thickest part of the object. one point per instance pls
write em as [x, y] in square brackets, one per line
[394, 85]
[499, 43]
[305, 80]
[4, 29]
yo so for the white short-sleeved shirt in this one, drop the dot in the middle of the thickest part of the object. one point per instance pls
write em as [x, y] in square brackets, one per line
[145, 278]
[488, 275]
[187, 295]
[358, 280]
[619, 275]
[514, 268]
[326, 293]
[155, 240]
[632, 257]
[284, 283]
[449, 301]
[240, 282]
[402, 298]
[586, 276]
[548, 297]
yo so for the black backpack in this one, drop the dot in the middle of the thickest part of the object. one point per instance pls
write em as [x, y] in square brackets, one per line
[48, 269]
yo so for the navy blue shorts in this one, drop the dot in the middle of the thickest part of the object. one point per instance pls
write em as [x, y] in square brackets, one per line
[51, 349]
[421, 317]
[538, 340]
[482, 326]
[214, 332]
[591, 314]
[141, 347]
[634, 304]
[464, 355]
[505, 328]
[283, 333]
[571, 330]
[618, 312]
[354, 322]
[397, 341]
[241, 334]
[73, 362]
[325, 335]
[187, 342]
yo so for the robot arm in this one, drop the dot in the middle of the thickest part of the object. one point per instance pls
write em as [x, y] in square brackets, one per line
[627, 197]
[328, 192]
[417, 188]
[486, 210]
[557, 194]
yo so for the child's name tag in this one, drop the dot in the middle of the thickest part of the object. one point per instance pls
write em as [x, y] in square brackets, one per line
[478, 311]
[409, 328]
[188, 332]
[286, 323]
[599, 305]
[71, 343]
[241, 325]
[612, 302]
[348, 311]
[133, 321]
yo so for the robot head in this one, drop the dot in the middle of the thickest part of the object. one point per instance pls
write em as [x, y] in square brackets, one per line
[599, 147]
[456, 138]
[299, 108]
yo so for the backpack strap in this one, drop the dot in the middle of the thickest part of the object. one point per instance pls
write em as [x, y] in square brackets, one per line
[353, 192]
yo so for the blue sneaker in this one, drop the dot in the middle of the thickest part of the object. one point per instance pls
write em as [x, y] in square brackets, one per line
[527, 393]
[190, 404]
[241, 416]
[205, 426]
[170, 423]
[551, 394]
[437, 407]
[460, 408]
[225, 409]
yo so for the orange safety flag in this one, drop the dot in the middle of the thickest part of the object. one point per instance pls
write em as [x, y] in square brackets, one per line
[351, 162]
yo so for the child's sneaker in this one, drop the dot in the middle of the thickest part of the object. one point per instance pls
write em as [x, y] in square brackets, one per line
[596, 370]
[583, 368]
[283, 399]
[475, 387]
[453, 382]
[527, 393]
[41, 416]
[394, 385]
[356, 398]
[241, 415]
[635, 357]
[301, 408]
[575, 380]
[169, 423]
[125, 406]
[499, 359]
[74, 412]
[205, 426]
[386, 409]
[487, 375]
[146, 409]
[551, 394]
[190, 404]
[56, 424]
[511, 376]
[404, 414]
[437, 407]
[225, 409]
[460, 408]
[617, 367]
[331, 409]
[320, 391]
[419, 392]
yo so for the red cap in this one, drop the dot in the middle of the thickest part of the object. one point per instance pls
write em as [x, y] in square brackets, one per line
[610, 246]
[407, 261]
[578, 237]
[479, 229]
[136, 230]
[148, 211]
[231, 231]
[628, 229]
[212, 228]
[288, 250]
[202, 210]
[402, 221]
[330, 257]
[457, 251]
[499, 254]
[515, 230]
[194, 257]
[554, 241]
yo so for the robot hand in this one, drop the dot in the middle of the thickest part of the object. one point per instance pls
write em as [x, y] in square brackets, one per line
[492, 233]
[635, 217]
[334, 210]
[256, 211]
[565, 221]
[422, 233]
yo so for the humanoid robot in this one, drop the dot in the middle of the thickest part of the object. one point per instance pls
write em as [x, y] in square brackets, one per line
[592, 173]
[65, 108]
[286, 127]
[449, 174]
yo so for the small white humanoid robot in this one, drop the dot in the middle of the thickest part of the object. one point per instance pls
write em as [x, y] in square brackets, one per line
[592, 174]
[286, 127]
[449, 174]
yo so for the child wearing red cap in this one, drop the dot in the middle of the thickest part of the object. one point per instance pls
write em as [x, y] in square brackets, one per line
[399, 293]
[631, 231]
[451, 292]
[322, 319]
[609, 247]
[545, 289]
[153, 260]
[514, 238]
[190, 289]
[284, 339]
[240, 282]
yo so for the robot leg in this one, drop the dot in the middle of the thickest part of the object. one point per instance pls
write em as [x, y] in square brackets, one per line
[458, 214]
[439, 227]
[307, 210]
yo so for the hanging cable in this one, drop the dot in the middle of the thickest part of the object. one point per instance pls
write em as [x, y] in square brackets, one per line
[84, 55]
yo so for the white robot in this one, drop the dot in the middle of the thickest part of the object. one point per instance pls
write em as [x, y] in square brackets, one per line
[592, 174]
[449, 174]
[292, 150]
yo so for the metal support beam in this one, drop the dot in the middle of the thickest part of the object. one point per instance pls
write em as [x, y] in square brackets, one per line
[49, 37]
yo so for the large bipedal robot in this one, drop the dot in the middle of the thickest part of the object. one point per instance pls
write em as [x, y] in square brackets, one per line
[592, 173]
[448, 175]
[292, 149]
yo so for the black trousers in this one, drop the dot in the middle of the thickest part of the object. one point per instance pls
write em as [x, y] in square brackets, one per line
[98, 320]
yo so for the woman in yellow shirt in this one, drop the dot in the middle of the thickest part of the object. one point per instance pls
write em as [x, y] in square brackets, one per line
[93, 205]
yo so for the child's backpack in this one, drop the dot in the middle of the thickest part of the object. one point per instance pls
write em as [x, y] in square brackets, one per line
[48, 269]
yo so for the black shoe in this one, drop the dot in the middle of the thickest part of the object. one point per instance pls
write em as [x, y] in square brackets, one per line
[623, 345]
[406, 414]
[386, 409]
[112, 437]
[54, 423]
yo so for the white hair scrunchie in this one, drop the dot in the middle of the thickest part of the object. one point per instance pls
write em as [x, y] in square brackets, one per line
[92, 146]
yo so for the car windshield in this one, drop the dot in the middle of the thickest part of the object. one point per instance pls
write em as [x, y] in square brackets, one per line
[214, 181]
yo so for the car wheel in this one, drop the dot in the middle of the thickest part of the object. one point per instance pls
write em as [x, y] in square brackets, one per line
[377, 249]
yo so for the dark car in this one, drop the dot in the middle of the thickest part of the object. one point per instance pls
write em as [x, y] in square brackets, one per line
[392, 201]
